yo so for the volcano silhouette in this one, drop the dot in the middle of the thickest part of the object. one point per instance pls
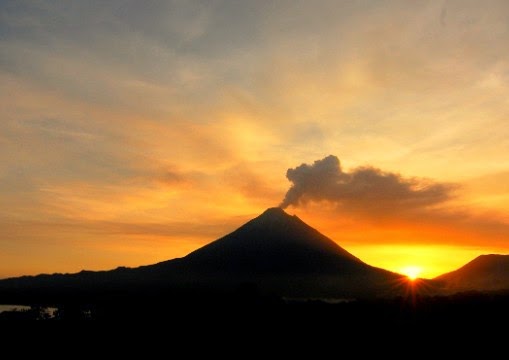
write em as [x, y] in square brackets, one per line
[280, 253]
[274, 243]
[275, 252]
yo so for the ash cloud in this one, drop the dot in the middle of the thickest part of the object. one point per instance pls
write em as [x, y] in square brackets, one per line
[365, 189]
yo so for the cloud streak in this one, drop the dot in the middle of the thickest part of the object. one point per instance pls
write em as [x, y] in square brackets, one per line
[365, 189]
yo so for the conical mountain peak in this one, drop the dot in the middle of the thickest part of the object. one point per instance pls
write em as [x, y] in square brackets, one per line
[275, 216]
[274, 212]
[274, 242]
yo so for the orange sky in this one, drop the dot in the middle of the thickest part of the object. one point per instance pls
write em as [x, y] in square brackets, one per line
[136, 132]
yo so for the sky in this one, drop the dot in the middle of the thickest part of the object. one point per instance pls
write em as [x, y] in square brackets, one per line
[135, 132]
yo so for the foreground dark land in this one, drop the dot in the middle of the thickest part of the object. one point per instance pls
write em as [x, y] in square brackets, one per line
[453, 310]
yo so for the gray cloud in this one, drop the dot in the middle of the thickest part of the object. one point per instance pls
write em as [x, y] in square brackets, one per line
[365, 189]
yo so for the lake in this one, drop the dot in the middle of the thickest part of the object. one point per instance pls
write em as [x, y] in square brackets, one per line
[13, 307]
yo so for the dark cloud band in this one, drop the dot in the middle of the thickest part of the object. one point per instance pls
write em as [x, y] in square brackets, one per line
[366, 189]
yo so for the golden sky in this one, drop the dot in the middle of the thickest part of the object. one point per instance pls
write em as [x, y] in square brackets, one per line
[135, 132]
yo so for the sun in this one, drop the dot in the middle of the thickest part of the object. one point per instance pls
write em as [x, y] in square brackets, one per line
[412, 272]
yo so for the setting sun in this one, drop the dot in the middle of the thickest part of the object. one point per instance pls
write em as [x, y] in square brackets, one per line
[411, 271]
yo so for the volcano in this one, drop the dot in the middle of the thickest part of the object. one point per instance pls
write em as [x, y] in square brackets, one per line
[274, 243]
[275, 252]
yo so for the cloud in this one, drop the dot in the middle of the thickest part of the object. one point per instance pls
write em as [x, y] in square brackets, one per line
[365, 189]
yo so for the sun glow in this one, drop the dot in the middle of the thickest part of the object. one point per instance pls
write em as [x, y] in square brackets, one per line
[411, 271]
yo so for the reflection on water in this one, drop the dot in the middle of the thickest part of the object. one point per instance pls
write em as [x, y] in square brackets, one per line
[9, 311]
[38, 312]
[13, 308]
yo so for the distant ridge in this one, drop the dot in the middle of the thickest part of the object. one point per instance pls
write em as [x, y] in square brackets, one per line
[486, 272]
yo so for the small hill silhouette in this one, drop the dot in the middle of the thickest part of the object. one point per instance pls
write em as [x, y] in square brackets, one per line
[486, 272]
